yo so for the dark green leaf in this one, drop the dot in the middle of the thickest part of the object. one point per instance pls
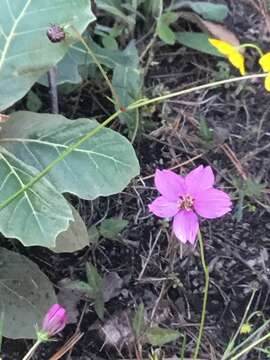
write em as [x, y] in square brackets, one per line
[163, 30]
[110, 228]
[209, 11]
[26, 295]
[197, 41]
[95, 281]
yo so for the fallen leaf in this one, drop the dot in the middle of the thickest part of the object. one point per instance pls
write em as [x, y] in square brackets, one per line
[211, 28]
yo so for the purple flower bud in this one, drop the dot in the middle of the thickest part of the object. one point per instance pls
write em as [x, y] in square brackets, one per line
[55, 320]
[56, 33]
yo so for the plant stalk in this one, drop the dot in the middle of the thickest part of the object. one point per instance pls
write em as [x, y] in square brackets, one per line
[251, 346]
[135, 105]
[52, 81]
[205, 296]
[32, 350]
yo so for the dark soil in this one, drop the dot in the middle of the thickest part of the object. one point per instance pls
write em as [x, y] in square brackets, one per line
[156, 270]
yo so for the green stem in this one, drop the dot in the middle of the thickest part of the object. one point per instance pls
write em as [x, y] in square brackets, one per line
[253, 46]
[136, 105]
[250, 347]
[96, 61]
[32, 350]
[139, 104]
[206, 286]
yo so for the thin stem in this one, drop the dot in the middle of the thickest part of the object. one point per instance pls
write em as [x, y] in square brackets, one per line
[232, 342]
[52, 81]
[135, 105]
[139, 103]
[248, 339]
[32, 350]
[96, 61]
[206, 287]
[251, 346]
[253, 46]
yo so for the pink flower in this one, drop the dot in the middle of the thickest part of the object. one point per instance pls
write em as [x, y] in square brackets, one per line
[184, 198]
[54, 321]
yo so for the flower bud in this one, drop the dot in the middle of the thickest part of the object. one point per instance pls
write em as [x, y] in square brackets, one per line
[54, 321]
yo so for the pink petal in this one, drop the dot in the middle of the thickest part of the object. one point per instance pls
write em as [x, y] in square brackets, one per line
[163, 207]
[55, 320]
[198, 179]
[169, 184]
[186, 226]
[212, 203]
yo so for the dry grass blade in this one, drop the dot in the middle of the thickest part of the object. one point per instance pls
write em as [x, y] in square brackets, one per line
[68, 345]
[231, 155]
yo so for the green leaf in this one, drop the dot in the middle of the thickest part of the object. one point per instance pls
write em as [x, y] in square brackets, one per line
[33, 102]
[93, 234]
[163, 30]
[80, 286]
[109, 42]
[26, 295]
[74, 238]
[209, 11]
[127, 84]
[197, 41]
[38, 215]
[110, 228]
[153, 7]
[113, 7]
[77, 56]
[159, 336]
[25, 51]
[95, 281]
[166, 34]
[138, 323]
[102, 165]
[206, 133]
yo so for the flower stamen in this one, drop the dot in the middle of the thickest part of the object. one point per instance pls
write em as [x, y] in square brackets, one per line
[186, 202]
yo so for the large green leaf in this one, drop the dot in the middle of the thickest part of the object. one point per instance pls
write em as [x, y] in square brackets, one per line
[38, 215]
[102, 165]
[25, 51]
[26, 295]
